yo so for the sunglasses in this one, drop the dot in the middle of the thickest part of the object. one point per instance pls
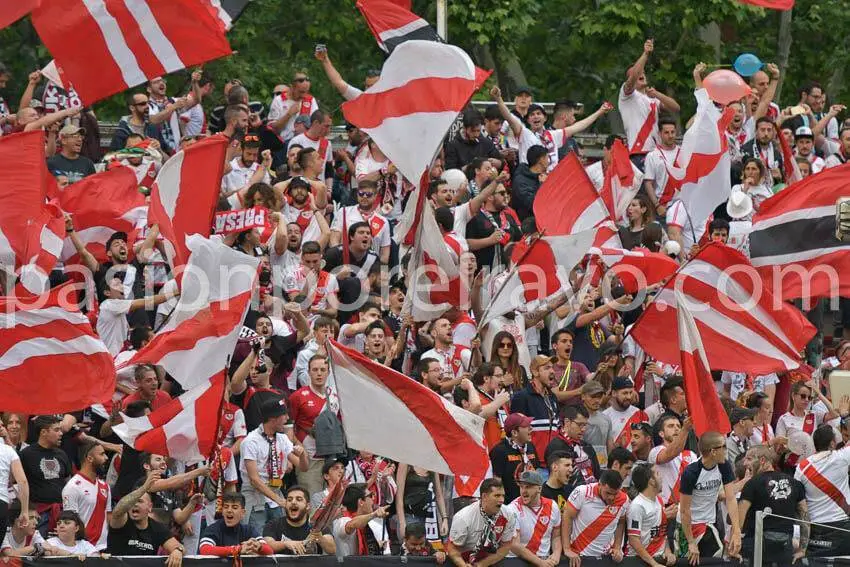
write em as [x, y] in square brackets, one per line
[640, 426]
[506, 345]
[140, 103]
[302, 80]
[805, 396]
[365, 194]
[251, 138]
[500, 193]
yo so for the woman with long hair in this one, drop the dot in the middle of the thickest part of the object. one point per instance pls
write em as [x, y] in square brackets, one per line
[639, 214]
[504, 352]
[763, 433]
[16, 430]
[800, 415]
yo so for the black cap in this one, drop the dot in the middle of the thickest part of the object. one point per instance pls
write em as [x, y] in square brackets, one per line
[740, 414]
[275, 407]
[329, 463]
[621, 383]
[535, 106]
[299, 181]
[609, 348]
[116, 236]
[524, 89]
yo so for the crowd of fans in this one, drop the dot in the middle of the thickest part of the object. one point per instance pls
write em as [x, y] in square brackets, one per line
[582, 465]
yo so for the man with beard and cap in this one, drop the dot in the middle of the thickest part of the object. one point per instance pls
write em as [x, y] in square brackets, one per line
[537, 402]
[229, 537]
[292, 534]
[622, 414]
[68, 161]
[133, 532]
[246, 169]
[88, 495]
[538, 523]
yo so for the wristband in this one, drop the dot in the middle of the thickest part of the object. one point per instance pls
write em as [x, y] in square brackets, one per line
[69, 230]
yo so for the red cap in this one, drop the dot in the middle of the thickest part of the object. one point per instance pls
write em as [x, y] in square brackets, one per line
[515, 420]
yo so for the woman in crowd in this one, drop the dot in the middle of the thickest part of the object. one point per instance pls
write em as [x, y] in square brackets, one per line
[504, 353]
[640, 215]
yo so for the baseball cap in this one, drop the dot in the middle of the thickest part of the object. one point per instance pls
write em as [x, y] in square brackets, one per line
[515, 420]
[740, 414]
[116, 236]
[592, 388]
[621, 383]
[70, 130]
[273, 408]
[298, 181]
[533, 107]
[609, 348]
[524, 89]
[303, 119]
[804, 132]
[329, 463]
[530, 477]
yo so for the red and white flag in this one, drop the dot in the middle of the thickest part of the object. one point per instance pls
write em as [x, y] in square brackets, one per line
[13, 10]
[793, 244]
[184, 429]
[419, 427]
[50, 359]
[567, 202]
[704, 405]
[705, 165]
[31, 230]
[435, 281]
[636, 268]
[124, 43]
[102, 205]
[622, 182]
[772, 4]
[201, 332]
[392, 24]
[540, 270]
[743, 326]
[185, 194]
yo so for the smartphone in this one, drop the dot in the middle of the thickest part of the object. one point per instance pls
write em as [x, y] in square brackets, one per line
[797, 110]
[321, 48]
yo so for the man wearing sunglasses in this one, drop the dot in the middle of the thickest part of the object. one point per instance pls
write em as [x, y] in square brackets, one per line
[700, 487]
[366, 211]
[288, 105]
[137, 122]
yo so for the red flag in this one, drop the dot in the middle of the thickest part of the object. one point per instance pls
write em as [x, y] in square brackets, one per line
[102, 205]
[704, 405]
[185, 195]
[50, 359]
[183, 429]
[420, 427]
[793, 244]
[120, 44]
[567, 202]
[772, 4]
[13, 10]
[743, 327]
[622, 181]
[789, 163]
[392, 23]
[636, 268]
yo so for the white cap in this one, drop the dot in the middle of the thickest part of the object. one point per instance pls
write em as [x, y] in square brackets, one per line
[804, 132]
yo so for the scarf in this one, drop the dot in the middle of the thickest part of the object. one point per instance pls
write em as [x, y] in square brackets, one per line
[366, 542]
[273, 465]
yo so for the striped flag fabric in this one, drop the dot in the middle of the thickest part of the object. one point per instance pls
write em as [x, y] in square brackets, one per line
[48, 348]
[201, 333]
[789, 163]
[704, 405]
[435, 282]
[123, 43]
[185, 194]
[420, 427]
[184, 429]
[622, 182]
[772, 4]
[13, 10]
[743, 326]
[793, 244]
[101, 205]
[636, 268]
[392, 23]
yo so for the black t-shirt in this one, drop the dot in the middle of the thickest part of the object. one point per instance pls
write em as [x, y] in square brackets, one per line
[588, 340]
[281, 530]
[256, 398]
[775, 490]
[508, 465]
[481, 227]
[129, 474]
[47, 470]
[220, 535]
[131, 540]
[73, 169]
[559, 495]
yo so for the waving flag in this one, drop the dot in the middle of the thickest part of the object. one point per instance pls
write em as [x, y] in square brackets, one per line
[102, 205]
[622, 182]
[743, 327]
[13, 10]
[393, 24]
[567, 202]
[435, 282]
[123, 43]
[31, 230]
[793, 244]
[201, 332]
[704, 405]
[420, 427]
[772, 4]
[50, 359]
[789, 163]
[636, 268]
[185, 194]
[184, 429]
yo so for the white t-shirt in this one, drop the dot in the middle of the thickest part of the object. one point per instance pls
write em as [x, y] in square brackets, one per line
[278, 109]
[238, 430]
[527, 520]
[80, 547]
[677, 215]
[703, 486]
[306, 141]
[255, 448]
[590, 522]
[552, 140]
[462, 215]
[239, 176]
[738, 381]
[7, 457]
[468, 527]
[281, 263]
[346, 544]
[377, 222]
[526, 140]
[112, 325]
[194, 121]
[789, 422]
[656, 167]
[10, 542]
[829, 468]
[621, 422]
[91, 501]
[646, 520]
[634, 109]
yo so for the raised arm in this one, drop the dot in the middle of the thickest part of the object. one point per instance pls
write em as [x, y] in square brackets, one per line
[637, 69]
[333, 75]
[764, 101]
[699, 69]
[32, 83]
[669, 453]
[586, 123]
[122, 509]
[514, 122]
[51, 118]
[86, 257]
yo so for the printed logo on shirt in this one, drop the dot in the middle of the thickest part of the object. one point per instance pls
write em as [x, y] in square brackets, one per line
[713, 484]
[50, 468]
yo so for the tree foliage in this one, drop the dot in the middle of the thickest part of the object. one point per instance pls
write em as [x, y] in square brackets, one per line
[578, 49]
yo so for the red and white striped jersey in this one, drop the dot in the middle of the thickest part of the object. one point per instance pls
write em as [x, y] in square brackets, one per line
[671, 472]
[824, 475]
[536, 526]
[646, 519]
[91, 500]
[621, 424]
[593, 529]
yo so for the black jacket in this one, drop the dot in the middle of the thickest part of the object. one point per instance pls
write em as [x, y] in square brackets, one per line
[524, 188]
[460, 151]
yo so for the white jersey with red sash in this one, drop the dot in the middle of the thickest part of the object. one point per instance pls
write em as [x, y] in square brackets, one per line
[454, 361]
[378, 224]
[671, 472]
[788, 422]
[476, 535]
[593, 529]
[552, 140]
[647, 521]
[305, 218]
[659, 163]
[536, 525]
[621, 424]
[456, 245]
[762, 434]
[640, 119]
[464, 329]
[91, 500]
[824, 475]
[321, 145]
[280, 105]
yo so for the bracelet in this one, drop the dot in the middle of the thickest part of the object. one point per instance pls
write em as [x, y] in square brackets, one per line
[69, 230]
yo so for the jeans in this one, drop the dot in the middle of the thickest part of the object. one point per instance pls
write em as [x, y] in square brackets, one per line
[261, 516]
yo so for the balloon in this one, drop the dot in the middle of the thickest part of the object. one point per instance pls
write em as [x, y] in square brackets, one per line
[725, 86]
[454, 178]
[747, 64]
